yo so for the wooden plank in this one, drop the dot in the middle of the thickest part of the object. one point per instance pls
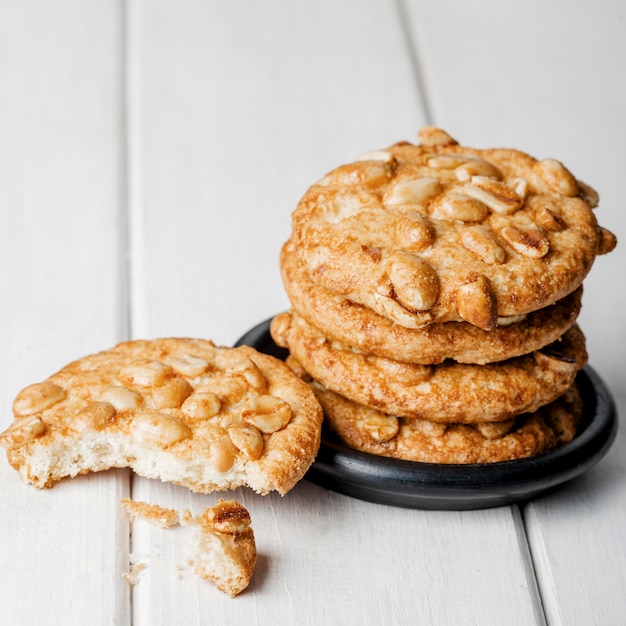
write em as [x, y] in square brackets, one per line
[543, 76]
[578, 545]
[236, 109]
[240, 107]
[63, 550]
[328, 558]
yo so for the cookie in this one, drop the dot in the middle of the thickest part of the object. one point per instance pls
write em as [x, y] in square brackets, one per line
[438, 232]
[223, 548]
[179, 410]
[346, 321]
[448, 392]
[368, 430]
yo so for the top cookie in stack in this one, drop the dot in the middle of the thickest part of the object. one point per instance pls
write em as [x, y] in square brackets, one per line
[440, 284]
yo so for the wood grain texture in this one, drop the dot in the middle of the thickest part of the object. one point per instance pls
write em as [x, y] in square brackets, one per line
[327, 558]
[208, 120]
[555, 96]
[62, 550]
[237, 109]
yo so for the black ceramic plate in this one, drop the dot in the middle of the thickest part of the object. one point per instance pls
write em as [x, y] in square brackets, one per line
[460, 487]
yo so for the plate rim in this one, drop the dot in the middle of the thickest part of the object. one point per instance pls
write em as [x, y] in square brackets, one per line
[414, 484]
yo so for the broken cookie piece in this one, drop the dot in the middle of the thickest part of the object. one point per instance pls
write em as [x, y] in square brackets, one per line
[153, 513]
[222, 549]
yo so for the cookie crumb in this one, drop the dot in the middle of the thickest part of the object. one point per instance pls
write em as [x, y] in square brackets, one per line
[151, 513]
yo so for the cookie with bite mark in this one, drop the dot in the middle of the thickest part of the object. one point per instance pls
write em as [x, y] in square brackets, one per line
[175, 409]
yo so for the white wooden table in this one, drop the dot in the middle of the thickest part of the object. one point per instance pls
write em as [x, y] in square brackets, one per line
[150, 156]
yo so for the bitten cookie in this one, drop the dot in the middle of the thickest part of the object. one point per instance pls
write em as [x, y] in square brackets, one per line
[179, 410]
[448, 392]
[374, 432]
[354, 324]
[438, 232]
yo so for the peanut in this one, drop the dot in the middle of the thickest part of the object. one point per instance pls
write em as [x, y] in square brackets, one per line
[477, 167]
[529, 242]
[435, 137]
[187, 365]
[498, 196]
[415, 191]
[380, 427]
[414, 231]
[248, 439]
[164, 430]
[557, 177]
[36, 398]
[21, 432]
[267, 413]
[480, 241]
[172, 394]
[414, 281]
[227, 517]
[459, 207]
[95, 416]
[476, 303]
[122, 398]
[147, 374]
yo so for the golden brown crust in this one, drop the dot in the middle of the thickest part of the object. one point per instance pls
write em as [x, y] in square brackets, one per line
[152, 513]
[224, 548]
[448, 392]
[180, 410]
[354, 324]
[371, 431]
[439, 232]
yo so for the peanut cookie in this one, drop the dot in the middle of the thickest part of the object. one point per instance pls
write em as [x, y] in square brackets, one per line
[448, 392]
[437, 232]
[179, 410]
[368, 430]
[346, 321]
[223, 549]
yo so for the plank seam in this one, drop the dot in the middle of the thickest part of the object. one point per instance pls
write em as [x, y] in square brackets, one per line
[545, 579]
[130, 203]
[125, 322]
[415, 60]
[132, 149]
[529, 562]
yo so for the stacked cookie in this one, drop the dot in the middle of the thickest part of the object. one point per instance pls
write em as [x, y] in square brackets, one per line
[435, 290]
